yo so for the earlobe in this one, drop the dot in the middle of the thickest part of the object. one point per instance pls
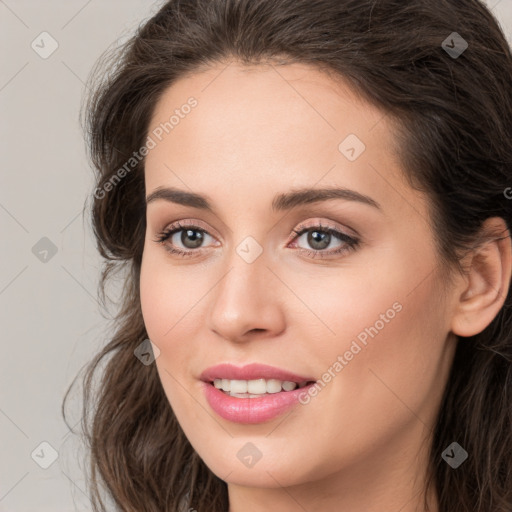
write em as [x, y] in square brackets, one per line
[486, 285]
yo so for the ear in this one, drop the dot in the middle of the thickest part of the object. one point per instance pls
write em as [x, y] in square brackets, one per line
[485, 285]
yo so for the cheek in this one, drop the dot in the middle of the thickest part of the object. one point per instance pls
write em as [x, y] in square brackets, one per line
[172, 304]
[384, 352]
[393, 363]
[154, 297]
[411, 361]
[166, 305]
[166, 298]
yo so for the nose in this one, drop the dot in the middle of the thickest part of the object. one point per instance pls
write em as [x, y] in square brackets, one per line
[246, 303]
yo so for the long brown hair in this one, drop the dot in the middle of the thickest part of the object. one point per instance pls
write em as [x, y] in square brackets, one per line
[454, 119]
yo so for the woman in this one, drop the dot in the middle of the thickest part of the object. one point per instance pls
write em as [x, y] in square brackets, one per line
[311, 199]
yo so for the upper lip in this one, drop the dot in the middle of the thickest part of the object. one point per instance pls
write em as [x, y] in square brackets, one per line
[251, 372]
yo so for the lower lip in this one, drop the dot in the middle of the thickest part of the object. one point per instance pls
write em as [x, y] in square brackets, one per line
[252, 410]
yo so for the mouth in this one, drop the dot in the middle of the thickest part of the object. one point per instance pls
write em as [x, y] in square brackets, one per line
[254, 393]
[253, 380]
[256, 388]
[244, 407]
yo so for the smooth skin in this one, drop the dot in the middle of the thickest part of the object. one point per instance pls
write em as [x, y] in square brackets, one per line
[361, 444]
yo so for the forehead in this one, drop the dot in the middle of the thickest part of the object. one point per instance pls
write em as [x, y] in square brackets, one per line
[259, 129]
[264, 100]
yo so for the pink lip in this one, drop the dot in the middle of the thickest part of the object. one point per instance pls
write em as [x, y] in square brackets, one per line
[250, 372]
[251, 410]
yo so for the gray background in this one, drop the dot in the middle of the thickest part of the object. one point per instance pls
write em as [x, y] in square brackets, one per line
[51, 322]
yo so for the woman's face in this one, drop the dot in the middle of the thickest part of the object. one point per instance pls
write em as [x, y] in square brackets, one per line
[362, 313]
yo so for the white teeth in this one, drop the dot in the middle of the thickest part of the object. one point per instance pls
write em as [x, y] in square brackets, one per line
[273, 386]
[254, 388]
[289, 386]
[243, 395]
[238, 386]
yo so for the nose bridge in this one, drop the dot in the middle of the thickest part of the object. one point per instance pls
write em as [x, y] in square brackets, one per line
[244, 283]
[247, 258]
[243, 299]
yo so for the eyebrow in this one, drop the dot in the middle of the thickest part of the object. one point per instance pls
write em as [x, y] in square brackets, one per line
[281, 202]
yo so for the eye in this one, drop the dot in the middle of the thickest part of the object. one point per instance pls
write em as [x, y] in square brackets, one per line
[319, 238]
[191, 237]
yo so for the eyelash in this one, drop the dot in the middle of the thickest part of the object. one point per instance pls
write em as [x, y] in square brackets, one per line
[351, 243]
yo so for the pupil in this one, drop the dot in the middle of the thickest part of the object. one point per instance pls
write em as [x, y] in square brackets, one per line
[196, 240]
[324, 237]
